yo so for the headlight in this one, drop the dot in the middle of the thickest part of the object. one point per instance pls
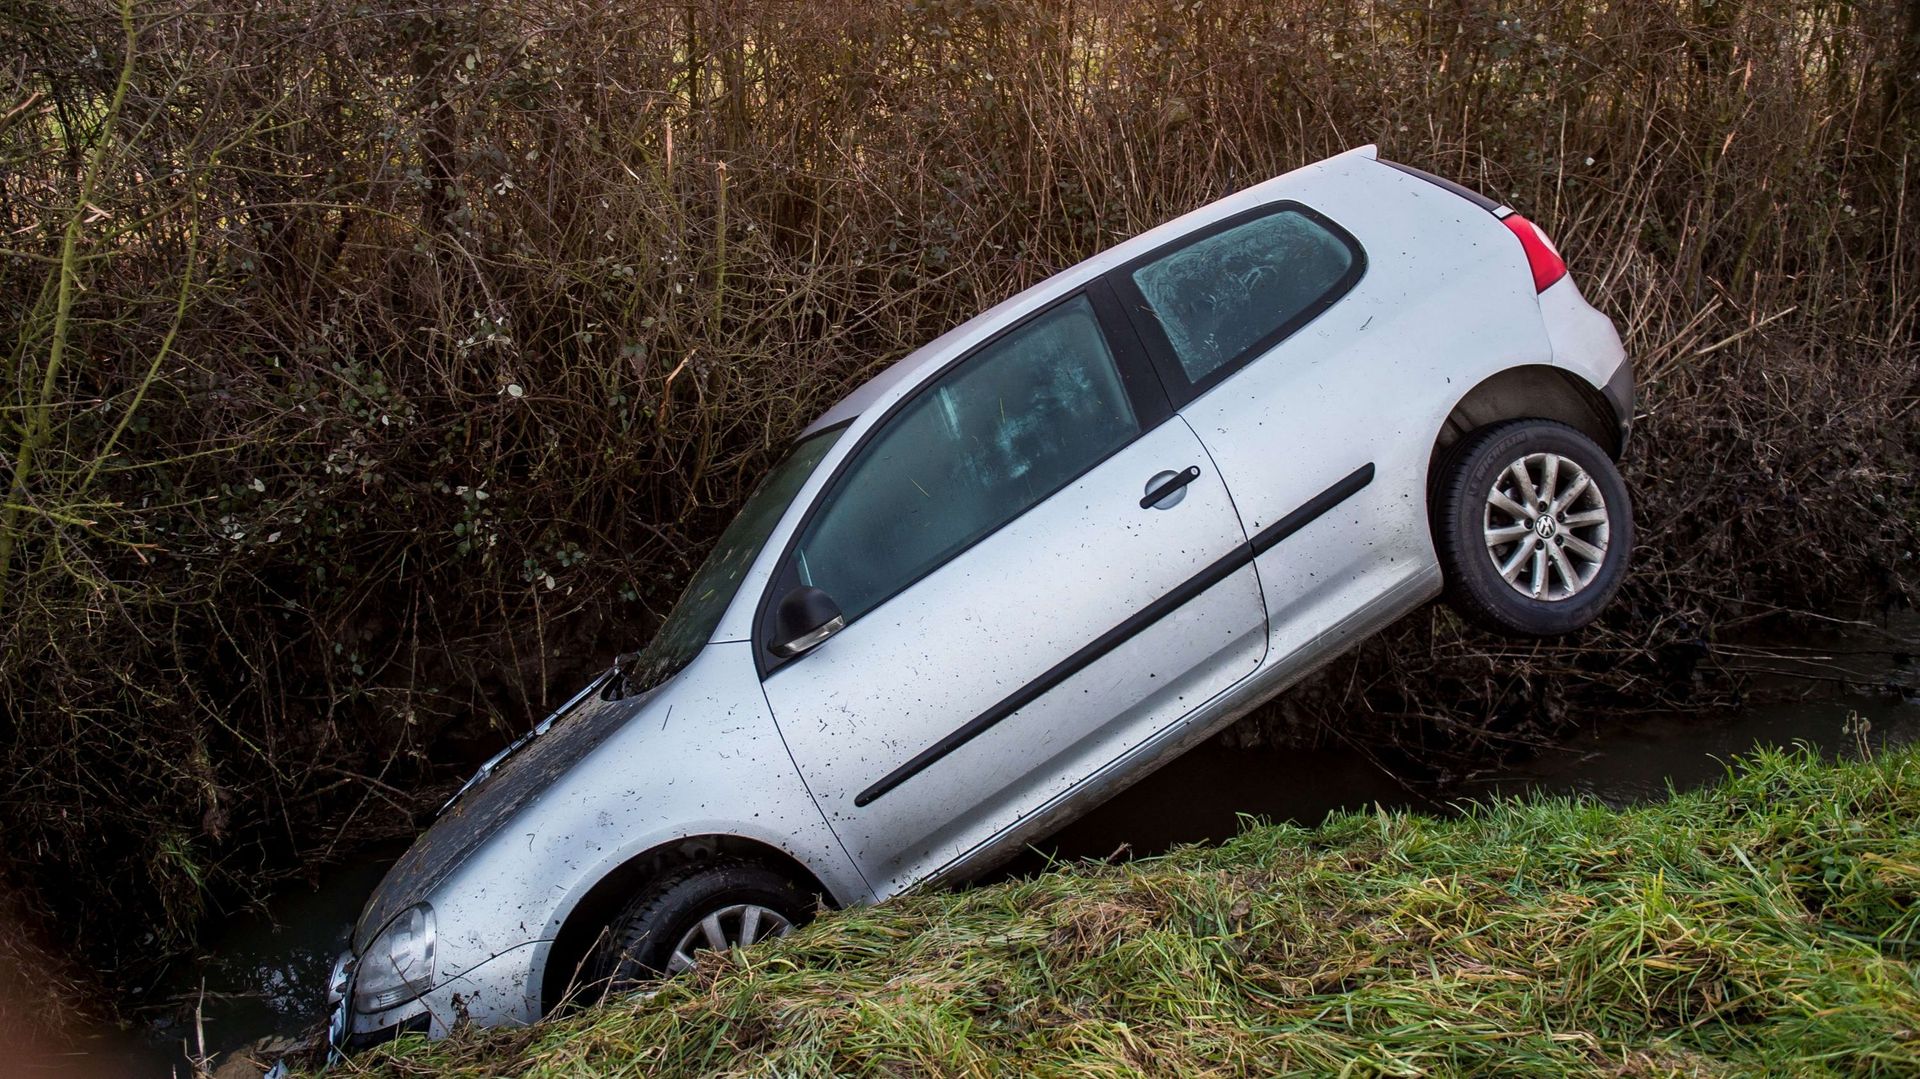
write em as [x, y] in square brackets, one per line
[398, 965]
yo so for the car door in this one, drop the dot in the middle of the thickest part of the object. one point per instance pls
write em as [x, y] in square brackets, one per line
[1019, 612]
[1284, 384]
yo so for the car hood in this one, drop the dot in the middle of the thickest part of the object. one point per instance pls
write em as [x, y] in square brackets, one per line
[491, 800]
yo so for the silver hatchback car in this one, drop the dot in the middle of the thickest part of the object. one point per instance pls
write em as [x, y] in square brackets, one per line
[1025, 565]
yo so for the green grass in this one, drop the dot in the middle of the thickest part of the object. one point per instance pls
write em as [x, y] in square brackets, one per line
[1765, 926]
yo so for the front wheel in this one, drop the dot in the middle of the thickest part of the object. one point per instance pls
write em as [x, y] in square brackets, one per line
[1533, 527]
[717, 904]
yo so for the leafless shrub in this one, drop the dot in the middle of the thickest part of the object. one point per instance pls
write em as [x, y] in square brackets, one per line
[375, 370]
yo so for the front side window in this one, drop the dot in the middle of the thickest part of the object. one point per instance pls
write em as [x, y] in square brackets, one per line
[1228, 293]
[1008, 427]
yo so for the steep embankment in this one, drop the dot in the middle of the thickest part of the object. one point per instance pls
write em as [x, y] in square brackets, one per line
[1764, 926]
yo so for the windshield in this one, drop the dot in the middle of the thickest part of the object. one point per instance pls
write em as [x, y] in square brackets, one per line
[689, 626]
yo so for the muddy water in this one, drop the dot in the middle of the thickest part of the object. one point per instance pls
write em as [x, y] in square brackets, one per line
[260, 977]
[1844, 689]
[1204, 794]
[264, 973]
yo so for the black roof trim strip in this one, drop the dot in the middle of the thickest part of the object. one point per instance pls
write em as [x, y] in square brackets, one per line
[1464, 192]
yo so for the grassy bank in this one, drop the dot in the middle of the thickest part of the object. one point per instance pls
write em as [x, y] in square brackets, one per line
[375, 371]
[1770, 925]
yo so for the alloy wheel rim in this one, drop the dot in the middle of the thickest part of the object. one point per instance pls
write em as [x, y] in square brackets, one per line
[1546, 527]
[735, 926]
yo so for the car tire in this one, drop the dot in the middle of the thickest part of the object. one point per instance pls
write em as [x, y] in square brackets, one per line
[667, 924]
[1506, 568]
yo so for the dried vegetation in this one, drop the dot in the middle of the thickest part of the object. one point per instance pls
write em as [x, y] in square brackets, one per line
[376, 370]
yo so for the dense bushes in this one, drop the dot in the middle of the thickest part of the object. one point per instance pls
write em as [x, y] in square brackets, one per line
[375, 370]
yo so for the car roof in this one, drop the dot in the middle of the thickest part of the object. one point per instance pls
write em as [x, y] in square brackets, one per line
[934, 353]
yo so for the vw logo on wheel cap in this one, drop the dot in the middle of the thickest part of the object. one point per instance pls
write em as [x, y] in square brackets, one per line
[1545, 526]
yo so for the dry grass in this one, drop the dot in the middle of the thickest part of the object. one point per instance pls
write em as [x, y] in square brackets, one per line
[376, 370]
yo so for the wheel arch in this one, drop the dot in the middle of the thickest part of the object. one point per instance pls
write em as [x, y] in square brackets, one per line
[582, 926]
[1532, 391]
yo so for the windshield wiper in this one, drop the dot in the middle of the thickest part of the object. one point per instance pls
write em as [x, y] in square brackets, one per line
[539, 729]
[632, 675]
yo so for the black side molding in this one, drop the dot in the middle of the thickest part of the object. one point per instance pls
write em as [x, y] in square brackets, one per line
[1350, 485]
[1153, 612]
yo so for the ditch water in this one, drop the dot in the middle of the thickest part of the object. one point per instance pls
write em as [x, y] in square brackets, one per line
[263, 975]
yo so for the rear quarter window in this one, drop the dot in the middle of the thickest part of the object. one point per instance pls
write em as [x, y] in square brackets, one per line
[1235, 290]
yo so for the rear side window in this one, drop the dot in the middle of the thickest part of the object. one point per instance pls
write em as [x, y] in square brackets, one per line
[1236, 291]
[995, 436]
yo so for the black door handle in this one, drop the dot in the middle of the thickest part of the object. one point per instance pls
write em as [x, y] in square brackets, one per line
[1186, 476]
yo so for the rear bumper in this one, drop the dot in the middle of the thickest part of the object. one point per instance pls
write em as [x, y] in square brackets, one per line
[1619, 392]
[1585, 342]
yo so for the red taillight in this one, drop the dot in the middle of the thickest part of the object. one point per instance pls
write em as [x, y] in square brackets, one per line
[1542, 258]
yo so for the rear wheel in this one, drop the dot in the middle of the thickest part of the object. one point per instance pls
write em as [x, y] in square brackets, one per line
[1534, 528]
[717, 904]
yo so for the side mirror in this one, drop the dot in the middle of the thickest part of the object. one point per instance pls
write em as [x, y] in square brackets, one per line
[806, 617]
